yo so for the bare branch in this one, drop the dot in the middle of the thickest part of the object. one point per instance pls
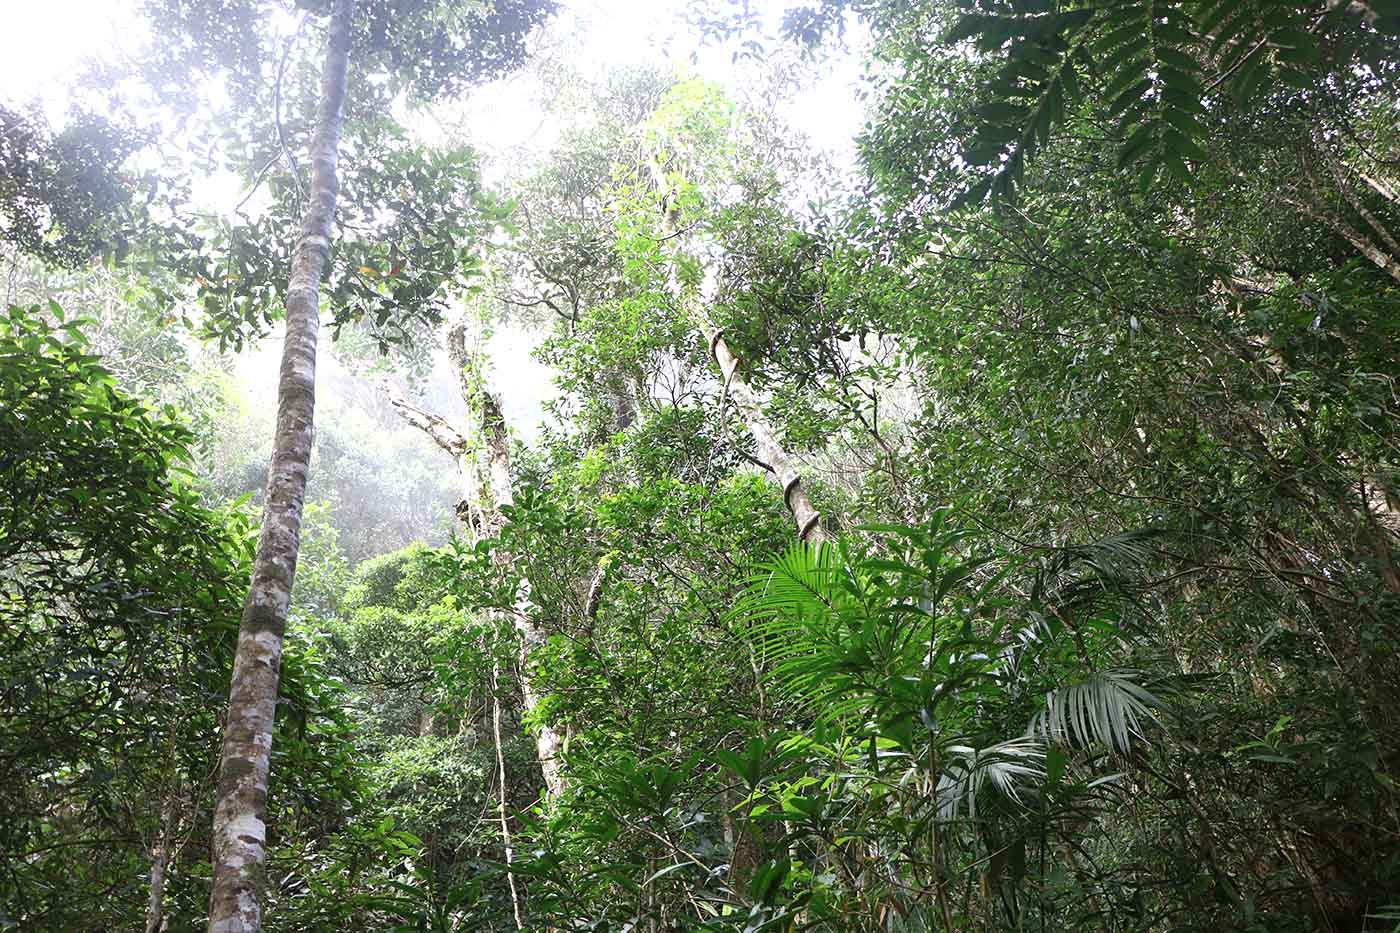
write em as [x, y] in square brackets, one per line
[435, 426]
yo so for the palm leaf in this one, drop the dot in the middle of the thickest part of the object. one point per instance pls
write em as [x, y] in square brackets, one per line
[1111, 564]
[797, 612]
[1014, 769]
[1107, 707]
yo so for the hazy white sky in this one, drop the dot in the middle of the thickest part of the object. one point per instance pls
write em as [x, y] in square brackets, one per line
[46, 40]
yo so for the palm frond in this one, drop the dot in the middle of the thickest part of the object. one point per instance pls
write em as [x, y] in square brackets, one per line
[1014, 769]
[796, 612]
[1111, 564]
[1117, 557]
[801, 581]
[1107, 707]
[1024, 641]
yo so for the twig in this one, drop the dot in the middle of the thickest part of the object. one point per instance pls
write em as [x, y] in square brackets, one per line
[277, 109]
[257, 182]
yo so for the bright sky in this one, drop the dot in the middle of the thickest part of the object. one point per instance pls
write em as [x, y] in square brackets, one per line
[46, 40]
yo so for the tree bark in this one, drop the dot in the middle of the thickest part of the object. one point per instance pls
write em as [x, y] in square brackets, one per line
[240, 810]
[744, 837]
[620, 400]
[1382, 188]
[1378, 257]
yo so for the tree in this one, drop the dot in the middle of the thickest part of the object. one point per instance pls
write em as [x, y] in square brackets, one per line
[684, 151]
[1050, 337]
[1117, 281]
[484, 463]
[423, 52]
[239, 831]
[63, 196]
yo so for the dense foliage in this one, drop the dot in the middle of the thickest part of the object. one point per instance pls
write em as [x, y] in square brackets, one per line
[1089, 364]
[117, 589]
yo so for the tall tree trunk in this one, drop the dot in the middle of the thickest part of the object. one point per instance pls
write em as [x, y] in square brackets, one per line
[1392, 245]
[483, 459]
[1381, 187]
[549, 743]
[744, 836]
[240, 809]
[621, 401]
[771, 452]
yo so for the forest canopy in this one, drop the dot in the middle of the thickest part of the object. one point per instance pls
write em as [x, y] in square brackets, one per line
[833, 465]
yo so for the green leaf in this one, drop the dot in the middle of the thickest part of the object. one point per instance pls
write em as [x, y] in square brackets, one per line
[1181, 147]
[1178, 61]
[1215, 15]
[967, 26]
[668, 870]
[1129, 97]
[1135, 145]
[1001, 112]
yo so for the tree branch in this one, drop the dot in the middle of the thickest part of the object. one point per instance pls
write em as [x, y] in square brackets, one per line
[435, 426]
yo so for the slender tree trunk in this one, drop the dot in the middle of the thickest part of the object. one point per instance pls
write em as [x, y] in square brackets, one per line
[502, 808]
[549, 743]
[1313, 203]
[499, 493]
[454, 443]
[771, 452]
[240, 810]
[155, 905]
[624, 406]
[160, 866]
[487, 488]
[1363, 243]
[1382, 188]
[1392, 246]
[164, 843]
[1378, 535]
[745, 838]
